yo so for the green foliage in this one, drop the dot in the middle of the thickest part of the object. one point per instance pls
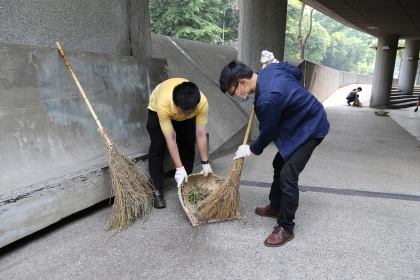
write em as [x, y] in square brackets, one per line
[197, 195]
[317, 45]
[199, 20]
[331, 44]
[349, 49]
[317, 42]
[291, 46]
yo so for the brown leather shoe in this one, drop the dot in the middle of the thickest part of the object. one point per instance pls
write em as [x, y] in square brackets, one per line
[267, 212]
[279, 237]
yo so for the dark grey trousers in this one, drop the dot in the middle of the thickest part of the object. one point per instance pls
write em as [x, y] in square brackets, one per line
[284, 194]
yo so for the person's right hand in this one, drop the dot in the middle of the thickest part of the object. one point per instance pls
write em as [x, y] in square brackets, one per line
[243, 151]
[181, 175]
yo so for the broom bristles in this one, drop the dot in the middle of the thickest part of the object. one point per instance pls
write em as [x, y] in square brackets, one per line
[131, 187]
[223, 202]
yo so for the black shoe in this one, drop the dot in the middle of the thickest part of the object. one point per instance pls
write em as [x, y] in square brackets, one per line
[415, 110]
[159, 201]
[348, 102]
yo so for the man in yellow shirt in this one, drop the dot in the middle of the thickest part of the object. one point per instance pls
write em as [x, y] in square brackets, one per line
[178, 114]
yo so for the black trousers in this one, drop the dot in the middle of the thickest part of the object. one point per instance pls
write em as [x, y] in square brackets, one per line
[185, 139]
[351, 98]
[284, 193]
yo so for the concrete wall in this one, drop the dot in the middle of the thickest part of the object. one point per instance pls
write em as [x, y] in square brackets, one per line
[52, 160]
[46, 126]
[323, 81]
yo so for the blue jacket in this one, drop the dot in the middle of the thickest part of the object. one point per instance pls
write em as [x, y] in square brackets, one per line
[288, 113]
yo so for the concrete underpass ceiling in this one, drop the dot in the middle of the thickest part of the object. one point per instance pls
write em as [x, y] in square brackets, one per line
[375, 17]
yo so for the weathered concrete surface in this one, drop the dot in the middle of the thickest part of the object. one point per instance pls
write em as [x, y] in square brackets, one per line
[47, 128]
[26, 210]
[95, 26]
[140, 36]
[52, 158]
[107, 26]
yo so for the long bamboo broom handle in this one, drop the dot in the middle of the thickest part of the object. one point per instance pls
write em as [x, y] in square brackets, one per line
[251, 116]
[248, 129]
[82, 92]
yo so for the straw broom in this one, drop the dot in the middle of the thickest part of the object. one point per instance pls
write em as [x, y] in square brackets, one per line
[223, 203]
[132, 190]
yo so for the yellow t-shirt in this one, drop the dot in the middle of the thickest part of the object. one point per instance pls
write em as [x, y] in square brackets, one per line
[161, 102]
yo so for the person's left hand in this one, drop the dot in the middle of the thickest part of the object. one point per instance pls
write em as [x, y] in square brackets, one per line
[206, 169]
[243, 151]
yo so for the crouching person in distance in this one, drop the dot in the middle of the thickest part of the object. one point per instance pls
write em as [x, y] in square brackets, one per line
[292, 118]
[177, 117]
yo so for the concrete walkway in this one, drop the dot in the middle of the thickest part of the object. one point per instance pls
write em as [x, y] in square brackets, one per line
[359, 218]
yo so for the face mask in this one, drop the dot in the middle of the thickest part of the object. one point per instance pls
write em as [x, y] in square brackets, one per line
[240, 98]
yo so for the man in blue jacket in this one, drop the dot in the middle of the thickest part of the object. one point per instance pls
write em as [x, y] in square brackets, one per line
[292, 118]
[351, 97]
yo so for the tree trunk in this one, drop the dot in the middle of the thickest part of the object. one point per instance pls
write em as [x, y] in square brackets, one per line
[299, 37]
[302, 43]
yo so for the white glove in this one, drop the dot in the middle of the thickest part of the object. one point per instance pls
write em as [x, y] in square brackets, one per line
[267, 56]
[243, 151]
[180, 176]
[206, 169]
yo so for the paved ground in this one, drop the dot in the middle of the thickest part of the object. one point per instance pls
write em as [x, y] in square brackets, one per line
[359, 218]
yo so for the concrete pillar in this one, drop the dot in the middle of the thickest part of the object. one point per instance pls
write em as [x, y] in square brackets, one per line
[384, 68]
[262, 26]
[409, 63]
[140, 34]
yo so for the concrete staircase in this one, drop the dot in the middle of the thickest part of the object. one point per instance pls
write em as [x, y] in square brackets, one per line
[400, 99]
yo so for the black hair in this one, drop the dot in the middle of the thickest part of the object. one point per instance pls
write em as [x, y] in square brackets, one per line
[359, 88]
[186, 96]
[231, 74]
